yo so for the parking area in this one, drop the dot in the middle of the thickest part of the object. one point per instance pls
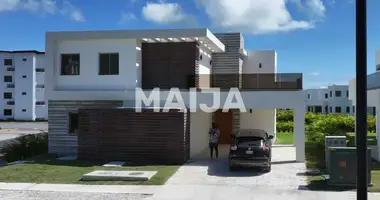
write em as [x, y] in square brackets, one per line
[285, 172]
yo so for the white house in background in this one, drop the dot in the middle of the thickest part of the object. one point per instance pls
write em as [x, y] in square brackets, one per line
[23, 90]
[333, 99]
[373, 100]
[89, 69]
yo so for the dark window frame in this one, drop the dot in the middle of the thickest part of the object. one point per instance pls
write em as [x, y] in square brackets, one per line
[6, 79]
[23, 93]
[23, 110]
[40, 69]
[338, 93]
[109, 64]
[348, 109]
[330, 93]
[73, 124]
[5, 113]
[338, 109]
[5, 95]
[40, 103]
[326, 95]
[24, 76]
[10, 103]
[7, 63]
[66, 68]
[308, 96]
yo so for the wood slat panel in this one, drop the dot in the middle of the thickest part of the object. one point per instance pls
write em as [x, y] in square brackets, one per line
[122, 134]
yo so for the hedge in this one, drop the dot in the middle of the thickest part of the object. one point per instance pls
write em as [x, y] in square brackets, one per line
[342, 122]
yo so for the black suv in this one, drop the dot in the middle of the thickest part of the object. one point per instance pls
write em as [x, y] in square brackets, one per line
[251, 148]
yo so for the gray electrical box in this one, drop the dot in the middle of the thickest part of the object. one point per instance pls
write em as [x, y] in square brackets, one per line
[343, 168]
[333, 141]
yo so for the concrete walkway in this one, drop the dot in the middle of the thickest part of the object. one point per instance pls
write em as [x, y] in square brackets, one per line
[284, 172]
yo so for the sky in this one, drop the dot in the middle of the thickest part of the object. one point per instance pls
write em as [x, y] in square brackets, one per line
[313, 37]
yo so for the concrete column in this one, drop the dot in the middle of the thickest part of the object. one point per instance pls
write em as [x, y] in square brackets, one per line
[299, 133]
[378, 130]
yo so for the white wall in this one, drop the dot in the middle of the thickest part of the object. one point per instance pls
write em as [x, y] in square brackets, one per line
[89, 64]
[200, 124]
[267, 58]
[259, 119]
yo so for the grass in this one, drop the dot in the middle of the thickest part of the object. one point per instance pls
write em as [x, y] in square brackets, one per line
[284, 138]
[46, 169]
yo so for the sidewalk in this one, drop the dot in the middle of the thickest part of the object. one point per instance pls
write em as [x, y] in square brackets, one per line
[130, 189]
[191, 192]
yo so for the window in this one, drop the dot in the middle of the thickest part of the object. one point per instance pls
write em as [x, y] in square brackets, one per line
[260, 65]
[338, 109]
[24, 93]
[24, 59]
[10, 103]
[7, 112]
[23, 110]
[347, 94]
[70, 64]
[10, 85]
[353, 109]
[330, 109]
[326, 109]
[40, 86]
[24, 76]
[308, 96]
[40, 70]
[40, 103]
[347, 109]
[330, 93]
[8, 79]
[200, 57]
[326, 96]
[7, 95]
[8, 62]
[338, 93]
[109, 64]
[73, 122]
[10, 69]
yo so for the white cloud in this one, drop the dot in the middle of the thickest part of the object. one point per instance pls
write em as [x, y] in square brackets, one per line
[313, 8]
[315, 73]
[43, 7]
[259, 16]
[126, 16]
[165, 13]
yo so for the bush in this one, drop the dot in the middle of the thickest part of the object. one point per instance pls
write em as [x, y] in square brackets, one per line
[24, 146]
[285, 127]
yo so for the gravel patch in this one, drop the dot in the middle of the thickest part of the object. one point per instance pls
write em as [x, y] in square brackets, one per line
[39, 195]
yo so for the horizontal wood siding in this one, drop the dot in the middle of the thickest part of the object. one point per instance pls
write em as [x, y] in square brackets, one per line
[60, 140]
[167, 65]
[144, 138]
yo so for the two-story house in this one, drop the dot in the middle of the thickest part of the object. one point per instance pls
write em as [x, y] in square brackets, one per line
[92, 78]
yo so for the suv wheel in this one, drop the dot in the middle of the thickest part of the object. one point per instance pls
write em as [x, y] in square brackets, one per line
[268, 169]
[232, 167]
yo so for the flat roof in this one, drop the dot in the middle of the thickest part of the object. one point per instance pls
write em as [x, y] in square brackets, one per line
[23, 51]
[202, 35]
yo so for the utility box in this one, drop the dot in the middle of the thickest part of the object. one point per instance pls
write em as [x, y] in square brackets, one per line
[333, 141]
[343, 166]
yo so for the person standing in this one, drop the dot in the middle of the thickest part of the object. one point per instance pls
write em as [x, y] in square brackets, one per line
[214, 141]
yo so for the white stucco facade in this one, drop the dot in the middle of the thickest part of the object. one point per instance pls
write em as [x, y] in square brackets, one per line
[88, 85]
[23, 93]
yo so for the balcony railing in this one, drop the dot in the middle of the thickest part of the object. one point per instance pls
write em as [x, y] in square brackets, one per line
[260, 82]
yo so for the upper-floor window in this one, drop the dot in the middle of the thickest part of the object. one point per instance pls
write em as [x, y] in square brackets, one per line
[347, 94]
[10, 69]
[40, 70]
[7, 112]
[8, 62]
[308, 96]
[348, 109]
[11, 85]
[108, 64]
[40, 103]
[8, 79]
[338, 93]
[326, 96]
[23, 93]
[70, 64]
[11, 103]
[260, 65]
[24, 76]
[7, 95]
[24, 59]
[330, 93]
[40, 86]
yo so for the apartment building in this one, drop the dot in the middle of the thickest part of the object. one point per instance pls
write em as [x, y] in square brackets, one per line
[23, 85]
[333, 99]
[94, 75]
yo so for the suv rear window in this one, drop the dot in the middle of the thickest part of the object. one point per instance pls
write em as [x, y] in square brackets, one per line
[249, 141]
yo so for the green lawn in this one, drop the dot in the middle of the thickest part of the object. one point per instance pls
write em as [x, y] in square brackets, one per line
[47, 169]
[284, 138]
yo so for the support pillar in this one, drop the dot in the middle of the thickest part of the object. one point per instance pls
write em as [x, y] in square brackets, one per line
[299, 133]
[378, 131]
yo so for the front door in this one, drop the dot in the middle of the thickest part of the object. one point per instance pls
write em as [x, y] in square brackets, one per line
[224, 121]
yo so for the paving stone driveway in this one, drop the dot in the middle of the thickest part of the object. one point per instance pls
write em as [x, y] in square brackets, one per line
[215, 172]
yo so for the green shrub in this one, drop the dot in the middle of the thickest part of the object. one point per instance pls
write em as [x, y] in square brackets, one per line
[285, 127]
[25, 146]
